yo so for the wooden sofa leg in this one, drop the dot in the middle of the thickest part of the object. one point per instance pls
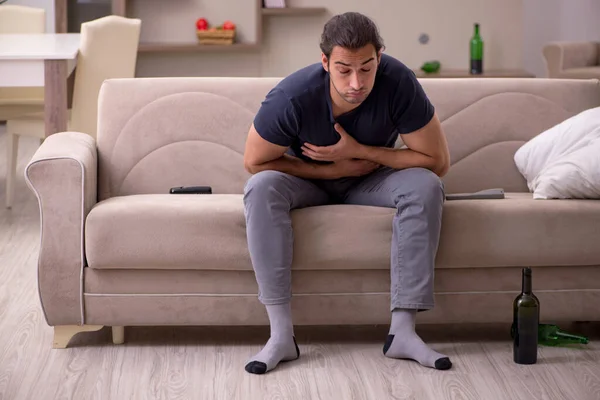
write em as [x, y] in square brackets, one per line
[118, 334]
[64, 333]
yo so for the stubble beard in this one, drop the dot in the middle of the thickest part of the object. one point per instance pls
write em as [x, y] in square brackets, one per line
[349, 99]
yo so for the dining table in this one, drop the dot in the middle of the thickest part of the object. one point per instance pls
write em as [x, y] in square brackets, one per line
[41, 60]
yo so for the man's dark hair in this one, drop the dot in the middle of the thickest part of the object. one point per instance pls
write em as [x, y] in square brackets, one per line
[351, 31]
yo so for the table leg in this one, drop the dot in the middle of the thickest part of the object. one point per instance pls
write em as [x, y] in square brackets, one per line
[55, 97]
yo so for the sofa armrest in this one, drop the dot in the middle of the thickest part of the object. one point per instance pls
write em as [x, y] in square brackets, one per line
[63, 176]
[565, 55]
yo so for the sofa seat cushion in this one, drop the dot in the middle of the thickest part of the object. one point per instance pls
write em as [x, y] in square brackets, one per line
[167, 231]
[208, 232]
[519, 231]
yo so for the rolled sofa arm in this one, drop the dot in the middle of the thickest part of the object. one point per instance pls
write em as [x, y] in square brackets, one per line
[565, 55]
[63, 176]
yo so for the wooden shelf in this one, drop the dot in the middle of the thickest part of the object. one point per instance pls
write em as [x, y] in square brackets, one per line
[119, 7]
[293, 11]
[464, 73]
[197, 47]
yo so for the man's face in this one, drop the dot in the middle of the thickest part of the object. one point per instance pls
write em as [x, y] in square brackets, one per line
[352, 72]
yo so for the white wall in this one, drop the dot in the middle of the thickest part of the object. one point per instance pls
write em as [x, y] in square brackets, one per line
[555, 20]
[48, 5]
[580, 19]
[541, 19]
[448, 24]
[514, 32]
[292, 42]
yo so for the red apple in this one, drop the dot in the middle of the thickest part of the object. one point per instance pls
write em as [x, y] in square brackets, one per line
[202, 24]
[228, 25]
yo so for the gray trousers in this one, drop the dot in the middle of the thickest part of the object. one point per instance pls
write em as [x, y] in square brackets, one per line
[416, 193]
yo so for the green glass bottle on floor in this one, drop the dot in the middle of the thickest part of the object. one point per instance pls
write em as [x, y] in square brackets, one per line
[551, 335]
[476, 52]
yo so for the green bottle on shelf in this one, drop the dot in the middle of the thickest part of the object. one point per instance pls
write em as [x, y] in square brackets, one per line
[476, 52]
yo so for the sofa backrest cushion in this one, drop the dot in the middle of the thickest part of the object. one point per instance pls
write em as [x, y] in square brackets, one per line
[157, 133]
[487, 120]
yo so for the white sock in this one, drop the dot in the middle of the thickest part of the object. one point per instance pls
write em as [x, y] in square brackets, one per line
[282, 343]
[404, 343]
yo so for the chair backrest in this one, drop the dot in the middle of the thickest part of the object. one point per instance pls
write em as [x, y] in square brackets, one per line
[22, 19]
[109, 47]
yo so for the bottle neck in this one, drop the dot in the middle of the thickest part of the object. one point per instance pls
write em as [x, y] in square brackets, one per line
[526, 287]
[476, 30]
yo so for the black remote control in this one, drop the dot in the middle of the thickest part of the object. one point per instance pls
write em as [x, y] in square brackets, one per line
[191, 190]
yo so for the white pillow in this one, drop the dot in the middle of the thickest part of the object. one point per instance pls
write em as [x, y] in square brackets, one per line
[575, 175]
[563, 161]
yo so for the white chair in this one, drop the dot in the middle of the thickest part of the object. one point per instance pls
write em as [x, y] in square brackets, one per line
[15, 101]
[109, 47]
[22, 19]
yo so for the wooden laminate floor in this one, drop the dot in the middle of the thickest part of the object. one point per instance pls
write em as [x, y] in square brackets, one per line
[207, 363]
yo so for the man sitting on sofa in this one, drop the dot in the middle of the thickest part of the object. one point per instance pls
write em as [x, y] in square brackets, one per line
[325, 134]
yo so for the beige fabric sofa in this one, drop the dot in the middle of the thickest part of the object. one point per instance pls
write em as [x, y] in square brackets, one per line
[118, 250]
[572, 60]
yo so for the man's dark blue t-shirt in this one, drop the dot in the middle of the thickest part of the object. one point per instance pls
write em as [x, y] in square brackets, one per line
[298, 109]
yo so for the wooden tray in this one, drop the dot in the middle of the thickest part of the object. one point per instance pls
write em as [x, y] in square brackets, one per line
[220, 36]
